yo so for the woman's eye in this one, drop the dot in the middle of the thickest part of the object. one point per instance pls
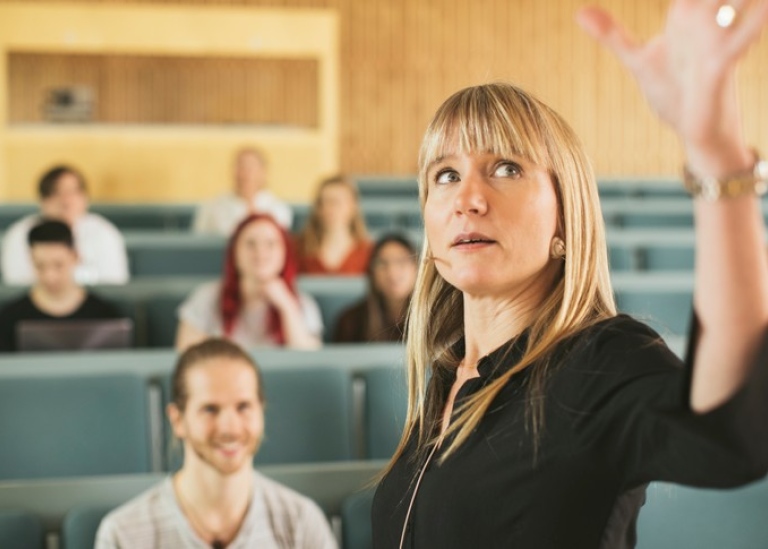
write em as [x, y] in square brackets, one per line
[508, 169]
[446, 176]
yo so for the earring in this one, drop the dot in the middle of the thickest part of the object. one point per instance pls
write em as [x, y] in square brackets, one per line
[557, 250]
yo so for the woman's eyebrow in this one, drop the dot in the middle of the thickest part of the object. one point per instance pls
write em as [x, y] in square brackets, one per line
[439, 160]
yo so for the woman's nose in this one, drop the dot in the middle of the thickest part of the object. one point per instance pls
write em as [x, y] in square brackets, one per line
[470, 196]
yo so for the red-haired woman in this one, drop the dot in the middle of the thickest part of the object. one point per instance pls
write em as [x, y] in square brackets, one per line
[256, 302]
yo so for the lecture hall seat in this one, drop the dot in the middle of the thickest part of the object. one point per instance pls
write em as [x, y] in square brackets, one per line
[20, 530]
[356, 530]
[73, 426]
[386, 404]
[78, 530]
[676, 517]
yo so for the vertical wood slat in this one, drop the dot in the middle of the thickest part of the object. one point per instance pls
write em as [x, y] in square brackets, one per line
[145, 89]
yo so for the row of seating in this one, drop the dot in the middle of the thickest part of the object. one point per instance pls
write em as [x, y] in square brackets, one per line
[663, 299]
[387, 208]
[69, 511]
[103, 413]
[184, 253]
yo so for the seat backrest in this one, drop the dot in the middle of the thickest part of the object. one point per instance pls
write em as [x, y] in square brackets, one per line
[168, 261]
[78, 530]
[386, 404]
[308, 415]
[666, 311]
[161, 320]
[20, 530]
[674, 517]
[356, 531]
[73, 426]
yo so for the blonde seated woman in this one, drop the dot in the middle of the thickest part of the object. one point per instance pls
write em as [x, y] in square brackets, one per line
[334, 240]
[256, 302]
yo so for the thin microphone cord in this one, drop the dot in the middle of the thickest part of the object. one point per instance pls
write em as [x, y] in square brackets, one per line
[413, 496]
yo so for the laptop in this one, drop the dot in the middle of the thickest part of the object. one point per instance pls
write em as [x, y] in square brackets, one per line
[74, 335]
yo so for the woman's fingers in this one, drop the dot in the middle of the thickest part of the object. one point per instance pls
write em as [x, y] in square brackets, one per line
[601, 25]
[751, 18]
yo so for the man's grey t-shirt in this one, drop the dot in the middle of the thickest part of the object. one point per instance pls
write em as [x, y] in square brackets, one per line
[277, 518]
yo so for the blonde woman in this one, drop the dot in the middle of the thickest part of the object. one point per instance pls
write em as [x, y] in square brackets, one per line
[537, 415]
[335, 240]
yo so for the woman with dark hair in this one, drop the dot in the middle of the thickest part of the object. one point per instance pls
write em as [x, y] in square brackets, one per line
[256, 302]
[380, 316]
[334, 240]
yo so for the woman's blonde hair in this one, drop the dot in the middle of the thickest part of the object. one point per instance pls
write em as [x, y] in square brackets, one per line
[503, 119]
[312, 233]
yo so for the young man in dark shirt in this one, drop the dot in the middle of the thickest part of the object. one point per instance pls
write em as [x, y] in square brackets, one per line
[55, 295]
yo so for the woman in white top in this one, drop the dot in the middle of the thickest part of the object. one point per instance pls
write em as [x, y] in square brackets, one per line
[221, 215]
[256, 302]
[100, 247]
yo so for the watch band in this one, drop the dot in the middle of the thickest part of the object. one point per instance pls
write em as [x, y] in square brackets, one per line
[709, 188]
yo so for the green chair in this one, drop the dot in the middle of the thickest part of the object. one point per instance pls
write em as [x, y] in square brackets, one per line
[73, 426]
[356, 532]
[676, 517]
[78, 531]
[308, 415]
[386, 406]
[667, 312]
[20, 530]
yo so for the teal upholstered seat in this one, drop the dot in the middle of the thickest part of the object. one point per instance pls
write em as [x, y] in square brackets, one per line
[73, 426]
[20, 530]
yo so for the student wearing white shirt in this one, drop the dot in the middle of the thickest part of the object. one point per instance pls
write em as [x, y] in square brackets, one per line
[221, 215]
[64, 197]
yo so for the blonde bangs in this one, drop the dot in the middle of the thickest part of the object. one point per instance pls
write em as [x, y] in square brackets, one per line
[484, 119]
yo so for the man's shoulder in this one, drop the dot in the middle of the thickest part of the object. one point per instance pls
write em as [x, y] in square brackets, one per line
[20, 227]
[94, 221]
[140, 515]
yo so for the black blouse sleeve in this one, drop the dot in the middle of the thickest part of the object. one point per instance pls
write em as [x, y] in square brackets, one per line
[634, 406]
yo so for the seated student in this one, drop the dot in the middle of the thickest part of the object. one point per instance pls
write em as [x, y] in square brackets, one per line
[250, 195]
[100, 246]
[256, 302]
[55, 295]
[334, 240]
[217, 499]
[380, 316]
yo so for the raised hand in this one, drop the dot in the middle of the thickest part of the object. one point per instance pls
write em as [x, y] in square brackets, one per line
[687, 71]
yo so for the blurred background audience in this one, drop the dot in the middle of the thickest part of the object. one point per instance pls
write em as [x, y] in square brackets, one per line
[256, 302]
[334, 240]
[55, 294]
[250, 195]
[391, 275]
[63, 195]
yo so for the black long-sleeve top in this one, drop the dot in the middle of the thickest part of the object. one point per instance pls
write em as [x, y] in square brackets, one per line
[616, 416]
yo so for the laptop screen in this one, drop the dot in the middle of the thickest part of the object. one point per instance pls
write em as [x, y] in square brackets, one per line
[74, 335]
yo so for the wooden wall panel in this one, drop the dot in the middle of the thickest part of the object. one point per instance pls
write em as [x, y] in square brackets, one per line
[170, 90]
[401, 58]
